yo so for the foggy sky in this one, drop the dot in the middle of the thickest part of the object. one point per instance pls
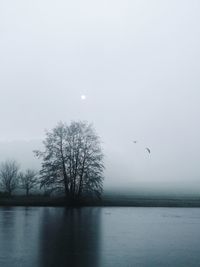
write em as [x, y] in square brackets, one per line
[137, 62]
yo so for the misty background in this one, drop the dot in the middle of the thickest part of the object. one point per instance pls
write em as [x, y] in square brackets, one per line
[137, 64]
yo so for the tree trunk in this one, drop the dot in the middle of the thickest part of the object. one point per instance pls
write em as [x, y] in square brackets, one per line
[64, 171]
[27, 192]
[9, 192]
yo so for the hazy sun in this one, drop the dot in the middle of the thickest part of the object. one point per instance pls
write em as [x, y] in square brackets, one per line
[83, 97]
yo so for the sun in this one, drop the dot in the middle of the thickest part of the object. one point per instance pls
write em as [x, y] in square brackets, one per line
[83, 97]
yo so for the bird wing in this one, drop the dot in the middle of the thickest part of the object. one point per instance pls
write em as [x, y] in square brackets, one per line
[148, 150]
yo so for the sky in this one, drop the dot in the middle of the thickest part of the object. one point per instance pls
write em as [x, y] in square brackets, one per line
[137, 64]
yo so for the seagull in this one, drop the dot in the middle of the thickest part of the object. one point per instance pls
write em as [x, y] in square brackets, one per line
[148, 150]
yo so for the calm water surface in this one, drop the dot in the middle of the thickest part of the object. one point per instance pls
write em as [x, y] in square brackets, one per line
[118, 237]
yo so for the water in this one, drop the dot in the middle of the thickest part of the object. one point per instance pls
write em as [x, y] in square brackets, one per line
[119, 237]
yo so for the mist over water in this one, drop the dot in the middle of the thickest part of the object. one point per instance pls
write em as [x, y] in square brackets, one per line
[122, 175]
[137, 65]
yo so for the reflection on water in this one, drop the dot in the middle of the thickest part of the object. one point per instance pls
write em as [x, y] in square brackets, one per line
[19, 236]
[70, 237]
[119, 237]
[49, 237]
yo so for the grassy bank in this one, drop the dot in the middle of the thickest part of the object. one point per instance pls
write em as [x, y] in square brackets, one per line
[106, 201]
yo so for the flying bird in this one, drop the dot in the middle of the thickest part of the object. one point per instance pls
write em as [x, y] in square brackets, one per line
[148, 150]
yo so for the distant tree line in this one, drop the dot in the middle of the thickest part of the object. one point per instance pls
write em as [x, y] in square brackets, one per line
[11, 178]
[72, 165]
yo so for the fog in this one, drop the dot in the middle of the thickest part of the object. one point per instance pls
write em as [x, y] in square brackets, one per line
[136, 63]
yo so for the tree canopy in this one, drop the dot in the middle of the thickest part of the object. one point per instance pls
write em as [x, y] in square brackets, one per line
[28, 180]
[72, 161]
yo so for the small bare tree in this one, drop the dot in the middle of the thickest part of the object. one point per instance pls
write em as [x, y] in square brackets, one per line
[9, 176]
[28, 180]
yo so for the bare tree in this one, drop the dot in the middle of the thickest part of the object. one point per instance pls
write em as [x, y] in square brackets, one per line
[28, 180]
[72, 160]
[9, 176]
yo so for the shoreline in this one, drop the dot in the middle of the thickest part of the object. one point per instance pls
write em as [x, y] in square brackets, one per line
[186, 202]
